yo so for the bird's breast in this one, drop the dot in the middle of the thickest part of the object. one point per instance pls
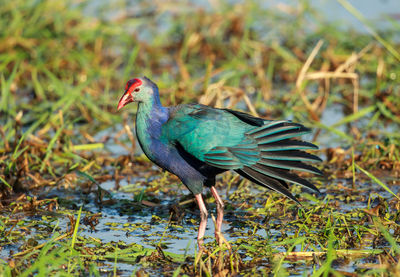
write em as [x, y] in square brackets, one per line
[149, 138]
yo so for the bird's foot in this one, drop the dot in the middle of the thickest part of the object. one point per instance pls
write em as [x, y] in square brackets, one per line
[219, 237]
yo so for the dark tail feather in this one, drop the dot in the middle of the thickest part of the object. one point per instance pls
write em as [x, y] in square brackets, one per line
[266, 181]
[284, 175]
[290, 165]
[277, 154]
[287, 144]
[291, 155]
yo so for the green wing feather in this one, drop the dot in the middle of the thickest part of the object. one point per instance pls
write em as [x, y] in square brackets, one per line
[208, 134]
[263, 151]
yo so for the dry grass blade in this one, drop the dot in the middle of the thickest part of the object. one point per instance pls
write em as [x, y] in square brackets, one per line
[41, 245]
[301, 78]
[323, 75]
[130, 135]
[304, 255]
[306, 66]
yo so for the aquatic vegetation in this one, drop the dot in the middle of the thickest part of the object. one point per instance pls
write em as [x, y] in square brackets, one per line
[78, 197]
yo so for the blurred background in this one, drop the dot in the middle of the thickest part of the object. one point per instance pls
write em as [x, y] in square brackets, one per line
[331, 65]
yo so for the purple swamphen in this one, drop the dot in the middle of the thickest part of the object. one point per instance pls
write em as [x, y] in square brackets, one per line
[196, 142]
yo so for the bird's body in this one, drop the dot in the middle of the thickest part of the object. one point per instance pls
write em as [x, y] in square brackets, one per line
[197, 142]
[158, 144]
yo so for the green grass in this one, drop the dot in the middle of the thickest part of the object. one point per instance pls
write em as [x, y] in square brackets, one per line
[63, 65]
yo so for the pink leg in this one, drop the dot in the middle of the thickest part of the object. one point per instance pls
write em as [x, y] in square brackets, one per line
[220, 211]
[203, 222]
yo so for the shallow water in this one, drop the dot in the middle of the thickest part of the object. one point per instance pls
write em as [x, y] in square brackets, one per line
[127, 221]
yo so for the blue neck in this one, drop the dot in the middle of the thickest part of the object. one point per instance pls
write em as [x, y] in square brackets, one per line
[149, 119]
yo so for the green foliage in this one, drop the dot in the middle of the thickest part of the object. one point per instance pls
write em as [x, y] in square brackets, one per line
[63, 67]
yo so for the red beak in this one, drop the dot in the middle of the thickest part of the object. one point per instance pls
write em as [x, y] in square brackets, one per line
[125, 99]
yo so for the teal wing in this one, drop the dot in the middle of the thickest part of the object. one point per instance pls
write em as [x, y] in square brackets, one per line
[262, 151]
[201, 129]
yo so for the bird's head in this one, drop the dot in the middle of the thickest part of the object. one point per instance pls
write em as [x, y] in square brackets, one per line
[137, 90]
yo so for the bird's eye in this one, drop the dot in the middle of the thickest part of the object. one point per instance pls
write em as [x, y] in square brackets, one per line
[137, 89]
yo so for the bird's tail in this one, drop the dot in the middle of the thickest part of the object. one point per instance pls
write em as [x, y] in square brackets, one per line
[280, 154]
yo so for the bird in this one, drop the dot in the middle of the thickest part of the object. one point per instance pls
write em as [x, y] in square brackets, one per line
[197, 142]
